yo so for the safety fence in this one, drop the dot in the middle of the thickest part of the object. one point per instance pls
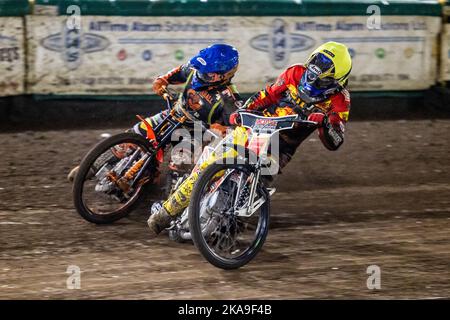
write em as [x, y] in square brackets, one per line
[118, 47]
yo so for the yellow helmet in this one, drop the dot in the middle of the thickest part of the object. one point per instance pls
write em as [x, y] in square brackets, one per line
[339, 56]
[327, 69]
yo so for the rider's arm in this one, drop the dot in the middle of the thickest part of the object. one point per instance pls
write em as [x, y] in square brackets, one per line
[178, 75]
[331, 132]
[232, 101]
[273, 93]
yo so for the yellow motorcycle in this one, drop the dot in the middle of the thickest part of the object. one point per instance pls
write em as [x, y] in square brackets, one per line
[229, 209]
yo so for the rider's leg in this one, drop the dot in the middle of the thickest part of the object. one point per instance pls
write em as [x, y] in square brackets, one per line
[179, 199]
[159, 219]
[141, 128]
[172, 207]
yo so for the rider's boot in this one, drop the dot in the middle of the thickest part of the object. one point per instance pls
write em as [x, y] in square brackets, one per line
[159, 219]
[164, 213]
[72, 174]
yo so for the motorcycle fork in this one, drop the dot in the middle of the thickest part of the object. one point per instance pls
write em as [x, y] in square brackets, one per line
[253, 187]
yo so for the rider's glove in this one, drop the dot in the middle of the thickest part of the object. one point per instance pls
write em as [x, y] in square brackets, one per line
[218, 128]
[235, 119]
[335, 120]
[160, 86]
[317, 117]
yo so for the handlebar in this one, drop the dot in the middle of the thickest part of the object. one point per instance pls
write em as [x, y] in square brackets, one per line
[297, 120]
[169, 96]
[306, 122]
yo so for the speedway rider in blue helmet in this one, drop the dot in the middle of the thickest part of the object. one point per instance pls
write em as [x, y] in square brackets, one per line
[208, 92]
[206, 75]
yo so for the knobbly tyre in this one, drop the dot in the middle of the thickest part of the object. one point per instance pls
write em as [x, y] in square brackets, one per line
[228, 215]
[111, 177]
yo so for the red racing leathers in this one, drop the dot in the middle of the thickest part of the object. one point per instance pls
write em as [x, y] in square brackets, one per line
[331, 111]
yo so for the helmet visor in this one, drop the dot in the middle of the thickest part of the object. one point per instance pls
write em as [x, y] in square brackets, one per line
[314, 80]
[210, 77]
[321, 64]
[320, 72]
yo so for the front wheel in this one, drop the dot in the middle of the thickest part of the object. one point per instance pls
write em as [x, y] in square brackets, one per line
[223, 231]
[107, 185]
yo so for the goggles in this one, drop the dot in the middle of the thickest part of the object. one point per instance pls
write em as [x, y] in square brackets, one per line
[211, 77]
[312, 78]
[319, 72]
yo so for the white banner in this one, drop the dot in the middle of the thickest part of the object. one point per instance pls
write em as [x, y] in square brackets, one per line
[45, 10]
[446, 54]
[122, 55]
[12, 61]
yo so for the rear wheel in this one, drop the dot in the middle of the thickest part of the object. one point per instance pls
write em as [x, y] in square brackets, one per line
[221, 230]
[101, 193]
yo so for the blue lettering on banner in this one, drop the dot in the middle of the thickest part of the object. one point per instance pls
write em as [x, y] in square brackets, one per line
[375, 39]
[205, 41]
[9, 50]
[107, 26]
[313, 26]
[148, 27]
[279, 43]
[72, 48]
[344, 26]
[72, 43]
[7, 39]
[355, 26]
[168, 26]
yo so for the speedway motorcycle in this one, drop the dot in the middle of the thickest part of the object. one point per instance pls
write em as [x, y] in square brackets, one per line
[228, 214]
[112, 176]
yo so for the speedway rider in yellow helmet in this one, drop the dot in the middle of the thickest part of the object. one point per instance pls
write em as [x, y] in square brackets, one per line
[315, 90]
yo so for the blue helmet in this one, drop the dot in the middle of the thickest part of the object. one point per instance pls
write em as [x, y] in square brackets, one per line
[214, 65]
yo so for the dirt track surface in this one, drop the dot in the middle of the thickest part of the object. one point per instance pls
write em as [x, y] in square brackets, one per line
[383, 199]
